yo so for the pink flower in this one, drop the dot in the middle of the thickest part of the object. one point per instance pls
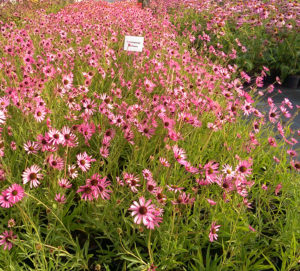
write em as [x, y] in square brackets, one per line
[213, 232]
[5, 239]
[143, 211]
[32, 175]
[272, 141]
[15, 193]
[211, 202]
[164, 162]
[244, 168]
[278, 188]
[132, 181]
[60, 198]
[84, 161]
[64, 183]
[31, 147]
[73, 173]
[4, 201]
[251, 228]
[88, 192]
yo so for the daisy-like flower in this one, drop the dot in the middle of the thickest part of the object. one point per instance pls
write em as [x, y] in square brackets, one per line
[103, 191]
[183, 198]
[142, 211]
[67, 81]
[40, 113]
[213, 232]
[70, 139]
[64, 183]
[164, 162]
[228, 171]
[179, 154]
[174, 188]
[272, 141]
[273, 114]
[2, 117]
[147, 174]
[244, 168]
[84, 161]
[11, 223]
[4, 201]
[87, 192]
[55, 137]
[31, 147]
[32, 175]
[55, 162]
[151, 186]
[132, 181]
[60, 198]
[15, 193]
[5, 239]
[73, 173]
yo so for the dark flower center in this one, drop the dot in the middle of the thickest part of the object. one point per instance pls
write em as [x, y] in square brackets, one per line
[32, 176]
[14, 193]
[242, 169]
[150, 187]
[143, 210]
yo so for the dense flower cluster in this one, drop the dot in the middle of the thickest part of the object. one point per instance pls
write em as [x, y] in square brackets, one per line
[86, 125]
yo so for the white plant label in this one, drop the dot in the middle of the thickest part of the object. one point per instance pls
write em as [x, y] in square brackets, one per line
[134, 44]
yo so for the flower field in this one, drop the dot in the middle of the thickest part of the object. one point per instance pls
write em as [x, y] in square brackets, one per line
[152, 160]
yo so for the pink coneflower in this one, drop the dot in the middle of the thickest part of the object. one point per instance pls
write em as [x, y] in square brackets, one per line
[40, 113]
[5, 239]
[278, 189]
[174, 188]
[103, 191]
[70, 139]
[295, 165]
[55, 162]
[73, 173]
[31, 147]
[213, 232]
[87, 192]
[183, 198]
[43, 141]
[84, 161]
[211, 170]
[67, 81]
[244, 168]
[147, 174]
[32, 175]
[15, 193]
[146, 130]
[292, 153]
[143, 211]
[164, 162]
[273, 114]
[64, 183]
[179, 154]
[104, 151]
[2, 117]
[160, 196]
[151, 186]
[272, 141]
[55, 137]
[4, 201]
[228, 171]
[60, 198]
[132, 181]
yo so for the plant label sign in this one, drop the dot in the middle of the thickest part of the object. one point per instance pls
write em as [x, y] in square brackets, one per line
[134, 44]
